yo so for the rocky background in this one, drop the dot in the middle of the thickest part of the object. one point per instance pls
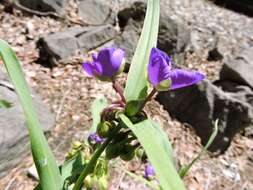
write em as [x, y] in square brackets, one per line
[52, 38]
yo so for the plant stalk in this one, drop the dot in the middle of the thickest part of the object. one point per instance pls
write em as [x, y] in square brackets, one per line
[151, 94]
[89, 167]
[119, 90]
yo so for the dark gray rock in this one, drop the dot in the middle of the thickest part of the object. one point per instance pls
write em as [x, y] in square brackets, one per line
[128, 39]
[13, 131]
[95, 12]
[61, 45]
[173, 37]
[200, 105]
[239, 70]
[242, 6]
[57, 6]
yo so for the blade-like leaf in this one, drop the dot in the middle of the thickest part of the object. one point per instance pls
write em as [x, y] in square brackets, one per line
[149, 137]
[50, 178]
[5, 104]
[136, 86]
[96, 108]
[184, 170]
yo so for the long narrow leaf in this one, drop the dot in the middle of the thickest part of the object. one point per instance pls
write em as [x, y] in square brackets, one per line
[50, 178]
[136, 86]
[96, 108]
[149, 137]
[184, 170]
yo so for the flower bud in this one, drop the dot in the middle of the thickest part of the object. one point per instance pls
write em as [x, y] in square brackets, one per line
[128, 153]
[108, 63]
[112, 151]
[104, 129]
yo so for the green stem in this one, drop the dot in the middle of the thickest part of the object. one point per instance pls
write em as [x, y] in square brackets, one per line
[119, 90]
[151, 94]
[90, 166]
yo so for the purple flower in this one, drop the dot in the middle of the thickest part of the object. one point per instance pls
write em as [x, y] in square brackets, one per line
[106, 64]
[94, 138]
[149, 171]
[163, 77]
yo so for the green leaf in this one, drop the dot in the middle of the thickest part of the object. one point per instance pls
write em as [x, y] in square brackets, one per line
[96, 109]
[184, 170]
[157, 151]
[136, 86]
[50, 178]
[5, 104]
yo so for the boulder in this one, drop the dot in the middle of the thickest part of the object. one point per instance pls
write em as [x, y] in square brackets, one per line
[200, 105]
[13, 131]
[57, 6]
[95, 12]
[242, 6]
[173, 37]
[61, 45]
[239, 69]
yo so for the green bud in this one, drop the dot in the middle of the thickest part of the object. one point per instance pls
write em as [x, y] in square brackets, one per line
[140, 152]
[101, 168]
[120, 137]
[164, 85]
[104, 129]
[112, 151]
[87, 182]
[128, 153]
[76, 145]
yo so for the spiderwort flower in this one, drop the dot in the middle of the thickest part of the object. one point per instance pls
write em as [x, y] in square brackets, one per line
[163, 77]
[106, 64]
[94, 138]
[149, 171]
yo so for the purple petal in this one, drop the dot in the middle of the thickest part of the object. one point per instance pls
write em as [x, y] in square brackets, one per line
[110, 60]
[94, 56]
[93, 137]
[89, 68]
[182, 78]
[149, 171]
[117, 59]
[158, 68]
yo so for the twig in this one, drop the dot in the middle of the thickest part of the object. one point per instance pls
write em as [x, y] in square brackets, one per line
[61, 104]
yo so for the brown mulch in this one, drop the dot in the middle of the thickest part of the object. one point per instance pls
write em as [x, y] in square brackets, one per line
[69, 92]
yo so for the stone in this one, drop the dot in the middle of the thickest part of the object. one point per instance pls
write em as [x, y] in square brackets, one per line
[13, 131]
[128, 39]
[200, 105]
[239, 69]
[95, 12]
[173, 37]
[61, 45]
[57, 6]
[242, 6]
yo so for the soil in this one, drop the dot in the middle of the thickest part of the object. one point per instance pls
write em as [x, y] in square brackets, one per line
[70, 92]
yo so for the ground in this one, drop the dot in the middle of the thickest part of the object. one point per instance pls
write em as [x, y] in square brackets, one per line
[69, 92]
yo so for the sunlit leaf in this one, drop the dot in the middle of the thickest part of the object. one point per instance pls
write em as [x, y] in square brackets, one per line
[136, 86]
[96, 108]
[184, 170]
[49, 174]
[158, 154]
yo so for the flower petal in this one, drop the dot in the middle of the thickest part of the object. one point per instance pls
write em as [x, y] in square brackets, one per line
[182, 78]
[158, 68]
[89, 68]
[94, 56]
[117, 59]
